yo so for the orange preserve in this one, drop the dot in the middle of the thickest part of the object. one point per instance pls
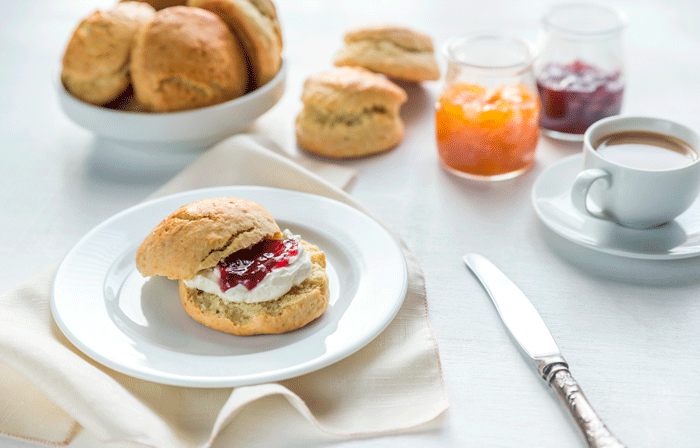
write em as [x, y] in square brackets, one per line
[487, 132]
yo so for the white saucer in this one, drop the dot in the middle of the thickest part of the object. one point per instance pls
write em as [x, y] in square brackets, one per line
[552, 202]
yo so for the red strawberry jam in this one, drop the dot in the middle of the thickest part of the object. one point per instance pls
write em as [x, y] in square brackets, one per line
[249, 266]
[576, 95]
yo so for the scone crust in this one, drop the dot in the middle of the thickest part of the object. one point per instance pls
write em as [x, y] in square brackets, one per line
[185, 58]
[199, 234]
[350, 112]
[398, 52]
[95, 66]
[256, 25]
[301, 305]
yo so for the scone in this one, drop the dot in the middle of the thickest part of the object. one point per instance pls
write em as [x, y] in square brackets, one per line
[395, 51]
[237, 272]
[96, 60]
[256, 25]
[350, 112]
[184, 58]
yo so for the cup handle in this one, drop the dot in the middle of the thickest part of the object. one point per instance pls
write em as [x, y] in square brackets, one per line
[581, 187]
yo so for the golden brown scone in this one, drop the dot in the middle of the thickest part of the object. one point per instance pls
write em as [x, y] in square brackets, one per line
[161, 4]
[302, 304]
[349, 112]
[197, 235]
[256, 25]
[185, 58]
[395, 51]
[96, 61]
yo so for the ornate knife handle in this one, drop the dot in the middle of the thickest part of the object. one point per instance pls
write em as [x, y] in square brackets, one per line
[567, 389]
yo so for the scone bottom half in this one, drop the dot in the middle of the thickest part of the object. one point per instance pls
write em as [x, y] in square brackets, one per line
[199, 235]
[298, 307]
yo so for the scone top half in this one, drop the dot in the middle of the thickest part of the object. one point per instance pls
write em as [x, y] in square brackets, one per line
[352, 90]
[200, 234]
[409, 40]
[398, 52]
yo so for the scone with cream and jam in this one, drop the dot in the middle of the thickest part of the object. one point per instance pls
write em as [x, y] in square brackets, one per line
[238, 273]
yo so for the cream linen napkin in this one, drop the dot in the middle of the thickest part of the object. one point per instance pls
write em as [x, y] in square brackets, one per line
[50, 391]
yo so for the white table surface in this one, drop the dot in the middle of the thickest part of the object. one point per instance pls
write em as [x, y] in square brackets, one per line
[630, 329]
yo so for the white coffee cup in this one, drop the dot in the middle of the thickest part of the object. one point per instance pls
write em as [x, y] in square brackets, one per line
[631, 178]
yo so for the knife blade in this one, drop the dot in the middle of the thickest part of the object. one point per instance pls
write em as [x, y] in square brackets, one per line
[530, 332]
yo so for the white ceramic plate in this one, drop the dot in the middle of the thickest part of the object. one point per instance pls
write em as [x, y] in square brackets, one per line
[137, 326]
[551, 199]
[172, 132]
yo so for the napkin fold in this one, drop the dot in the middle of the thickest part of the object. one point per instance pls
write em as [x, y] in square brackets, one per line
[50, 391]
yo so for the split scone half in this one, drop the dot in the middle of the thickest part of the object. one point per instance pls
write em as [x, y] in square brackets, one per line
[396, 51]
[238, 273]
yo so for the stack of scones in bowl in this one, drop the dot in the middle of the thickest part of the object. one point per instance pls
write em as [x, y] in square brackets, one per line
[177, 78]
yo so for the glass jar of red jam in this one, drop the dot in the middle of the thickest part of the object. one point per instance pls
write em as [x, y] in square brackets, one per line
[579, 70]
[487, 115]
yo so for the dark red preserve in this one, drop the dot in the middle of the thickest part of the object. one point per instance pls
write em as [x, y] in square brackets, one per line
[249, 266]
[576, 95]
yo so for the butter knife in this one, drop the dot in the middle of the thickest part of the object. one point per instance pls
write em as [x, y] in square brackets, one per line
[529, 330]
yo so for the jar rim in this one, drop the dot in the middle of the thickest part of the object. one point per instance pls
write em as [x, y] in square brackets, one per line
[615, 20]
[521, 58]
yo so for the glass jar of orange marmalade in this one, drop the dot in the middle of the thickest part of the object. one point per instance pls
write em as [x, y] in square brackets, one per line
[487, 115]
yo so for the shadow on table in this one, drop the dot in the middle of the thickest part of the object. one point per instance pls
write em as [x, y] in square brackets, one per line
[120, 164]
[684, 271]
[562, 147]
[419, 102]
